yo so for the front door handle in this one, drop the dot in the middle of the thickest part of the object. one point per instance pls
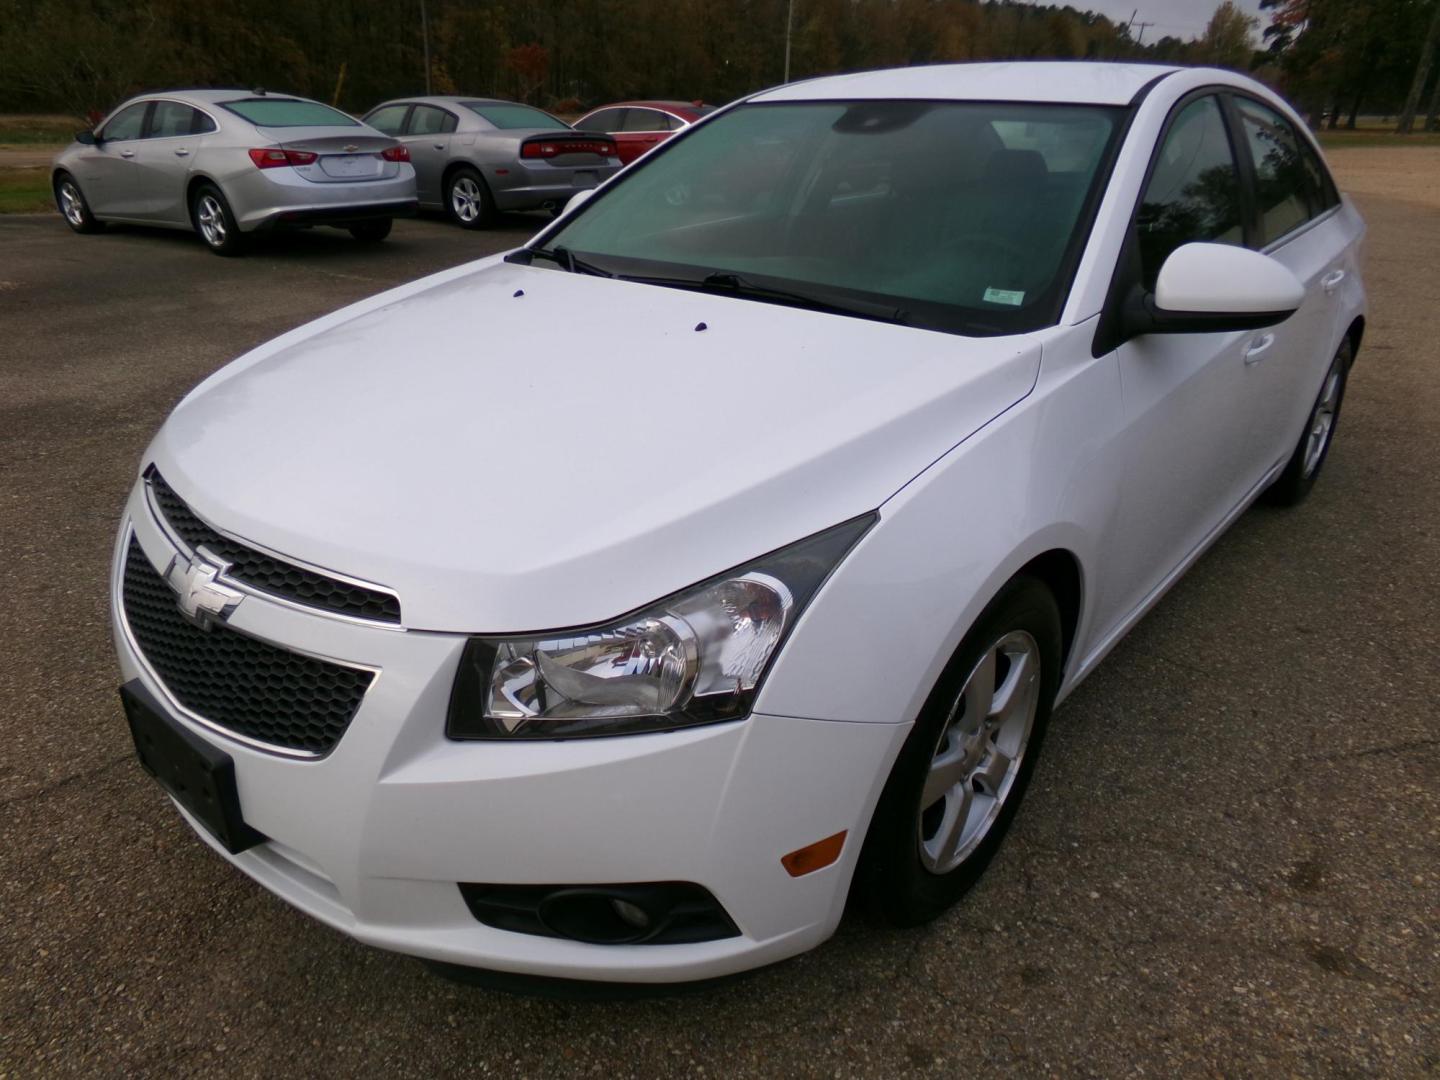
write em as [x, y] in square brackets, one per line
[1331, 281]
[1258, 348]
[182, 152]
[439, 145]
[127, 153]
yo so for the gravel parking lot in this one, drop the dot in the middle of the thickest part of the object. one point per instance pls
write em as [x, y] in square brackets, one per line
[1229, 862]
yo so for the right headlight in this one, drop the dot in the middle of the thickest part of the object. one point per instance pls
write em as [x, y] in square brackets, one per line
[696, 657]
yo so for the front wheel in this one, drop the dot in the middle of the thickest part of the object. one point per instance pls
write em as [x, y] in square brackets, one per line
[215, 223]
[961, 774]
[1308, 458]
[371, 232]
[467, 199]
[73, 206]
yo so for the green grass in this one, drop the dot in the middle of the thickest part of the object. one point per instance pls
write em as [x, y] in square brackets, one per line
[22, 130]
[25, 191]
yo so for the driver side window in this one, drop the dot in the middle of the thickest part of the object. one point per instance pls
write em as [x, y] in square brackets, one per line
[1194, 191]
[127, 123]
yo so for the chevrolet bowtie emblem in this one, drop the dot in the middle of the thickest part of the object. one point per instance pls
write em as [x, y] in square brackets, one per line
[351, 148]
[200, 598]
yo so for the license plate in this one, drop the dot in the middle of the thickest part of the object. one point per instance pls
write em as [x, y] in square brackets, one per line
[583, 178]
[347, 164]
[200, 777]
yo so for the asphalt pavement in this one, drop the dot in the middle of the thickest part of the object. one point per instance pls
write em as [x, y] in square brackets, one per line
[1228, 864]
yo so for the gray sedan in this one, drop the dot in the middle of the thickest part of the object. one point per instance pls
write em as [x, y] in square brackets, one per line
[477, 156]
[232, 162]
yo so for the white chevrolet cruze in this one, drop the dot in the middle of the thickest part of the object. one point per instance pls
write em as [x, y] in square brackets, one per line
[617, 608]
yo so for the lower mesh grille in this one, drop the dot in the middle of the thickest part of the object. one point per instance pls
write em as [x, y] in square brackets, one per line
[237, 682]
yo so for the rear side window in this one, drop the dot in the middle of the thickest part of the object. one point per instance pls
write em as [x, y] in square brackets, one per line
[428, 120]
[171, 119]
[390, 119]
[289, 112]
[644, 120]
[1194, 191]
[1291, 185]
[507, 115]
[127, 123]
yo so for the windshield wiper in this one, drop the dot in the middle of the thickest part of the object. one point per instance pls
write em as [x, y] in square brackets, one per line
[730, 284]
[561, 256]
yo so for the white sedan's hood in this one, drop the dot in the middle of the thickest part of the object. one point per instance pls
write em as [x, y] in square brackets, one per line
[511, 462]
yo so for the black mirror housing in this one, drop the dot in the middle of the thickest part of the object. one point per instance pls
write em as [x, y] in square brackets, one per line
[1139, 315]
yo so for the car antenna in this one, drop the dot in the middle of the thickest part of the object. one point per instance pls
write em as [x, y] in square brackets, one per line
[259, 91]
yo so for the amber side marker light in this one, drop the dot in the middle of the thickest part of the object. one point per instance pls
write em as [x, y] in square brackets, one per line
[814, 856]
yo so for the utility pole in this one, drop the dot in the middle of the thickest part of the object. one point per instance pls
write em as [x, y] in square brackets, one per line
[789, 22]
[1141, 35]
[425, 36]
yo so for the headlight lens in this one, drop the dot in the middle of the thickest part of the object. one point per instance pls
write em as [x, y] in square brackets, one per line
[693, 658]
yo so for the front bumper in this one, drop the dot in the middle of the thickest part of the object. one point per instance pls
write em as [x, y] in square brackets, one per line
[374, 838]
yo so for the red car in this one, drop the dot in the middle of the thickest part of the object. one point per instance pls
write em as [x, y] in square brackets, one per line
[639, 125]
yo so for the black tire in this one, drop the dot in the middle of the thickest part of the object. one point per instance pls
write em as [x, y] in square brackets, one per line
[468, 202]
[892, 879]
[371, 232]
[214, 222]
[73, 207]
[1303, 468]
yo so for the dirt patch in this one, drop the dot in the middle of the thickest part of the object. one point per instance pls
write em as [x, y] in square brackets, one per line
[27, 157]
[1407, 173]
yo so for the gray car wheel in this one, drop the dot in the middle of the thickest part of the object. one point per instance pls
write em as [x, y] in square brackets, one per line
[73, 206]
[467, 199]
[1308, 457]
[214, 221]
[960, 776]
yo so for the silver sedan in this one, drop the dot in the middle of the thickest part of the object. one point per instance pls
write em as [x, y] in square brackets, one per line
[477, 156]
[228, 163]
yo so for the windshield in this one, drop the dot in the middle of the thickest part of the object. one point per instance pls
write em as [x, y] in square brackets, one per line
[957, 216]
[289, 112]
[504, 115]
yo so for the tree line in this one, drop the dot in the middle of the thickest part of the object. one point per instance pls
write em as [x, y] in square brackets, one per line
[76, 56]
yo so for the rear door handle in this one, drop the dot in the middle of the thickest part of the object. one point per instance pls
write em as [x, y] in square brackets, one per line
[439, 145]
[1258, 348]
[182, 153]
[1331, 281]
[127, 153]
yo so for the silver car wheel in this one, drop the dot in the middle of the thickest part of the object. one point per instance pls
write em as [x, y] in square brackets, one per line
[466, 199]
[1322, 420]
[211, 217]
[979, 752]
[71, 204]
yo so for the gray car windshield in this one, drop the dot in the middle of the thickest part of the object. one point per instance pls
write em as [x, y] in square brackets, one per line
[517, 117]
[958, 216]
[289, 112]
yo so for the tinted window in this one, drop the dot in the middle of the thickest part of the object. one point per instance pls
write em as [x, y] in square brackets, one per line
[170, 119]
[1289, 185]
[202, 125]
[910, 205]
[507, 115]
[607, 120]
[1194, 191]
[126, 124]
[428, 120]
[288, 112]
[389, 119]
[644, 120]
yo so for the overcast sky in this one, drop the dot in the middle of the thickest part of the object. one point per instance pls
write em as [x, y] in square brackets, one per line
[1178, 18]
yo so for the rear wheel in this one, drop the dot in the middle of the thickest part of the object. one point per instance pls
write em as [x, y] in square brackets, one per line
[371, 232]
[961, 774]
[1308, 458]
[467, 199]
[214, 221]
[73, 206]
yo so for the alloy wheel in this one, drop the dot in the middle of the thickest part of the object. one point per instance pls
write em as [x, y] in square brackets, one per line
[211, 216]
[466, 199]
[1322, 421]
[979, 752]
[71, 204]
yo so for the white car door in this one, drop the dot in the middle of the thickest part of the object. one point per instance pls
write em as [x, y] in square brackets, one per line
[1294, 203]
[1188, 459]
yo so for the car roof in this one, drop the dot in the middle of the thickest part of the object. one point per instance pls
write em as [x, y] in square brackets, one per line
[1080, 81]
[209, 95]
[456, 100]
[671, 106]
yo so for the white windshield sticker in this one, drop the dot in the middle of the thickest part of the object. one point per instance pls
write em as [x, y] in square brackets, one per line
[1013, 297]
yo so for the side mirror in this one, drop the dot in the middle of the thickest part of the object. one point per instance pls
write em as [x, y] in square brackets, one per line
[579, 199]
[87, 138]
[1214, 288]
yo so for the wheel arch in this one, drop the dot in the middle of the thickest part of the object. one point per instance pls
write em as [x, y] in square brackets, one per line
[1355, 332]
[1058, 569]
[194, 184]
